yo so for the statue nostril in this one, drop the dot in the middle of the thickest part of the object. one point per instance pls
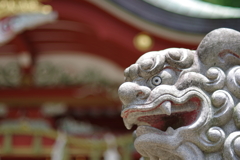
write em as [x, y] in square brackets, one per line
[144, 92]
[139, 94]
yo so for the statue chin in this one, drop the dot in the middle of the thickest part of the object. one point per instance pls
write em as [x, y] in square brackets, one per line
[184, 102]
[144, 146]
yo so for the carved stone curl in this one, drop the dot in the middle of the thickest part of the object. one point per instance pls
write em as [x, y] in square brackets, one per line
[184, 102]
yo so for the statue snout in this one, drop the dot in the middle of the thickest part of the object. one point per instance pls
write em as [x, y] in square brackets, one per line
[130, 92]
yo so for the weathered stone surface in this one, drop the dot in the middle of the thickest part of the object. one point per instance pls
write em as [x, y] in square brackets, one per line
[185, 102]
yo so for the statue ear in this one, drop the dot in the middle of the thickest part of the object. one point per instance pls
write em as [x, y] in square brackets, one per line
[220, 48]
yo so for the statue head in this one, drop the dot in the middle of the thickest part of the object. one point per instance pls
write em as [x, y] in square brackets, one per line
[185, 103]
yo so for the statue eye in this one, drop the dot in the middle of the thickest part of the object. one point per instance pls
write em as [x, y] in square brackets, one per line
[156, 81]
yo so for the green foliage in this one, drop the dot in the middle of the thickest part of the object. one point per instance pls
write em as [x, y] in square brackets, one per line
[230, 3]
[48, 74]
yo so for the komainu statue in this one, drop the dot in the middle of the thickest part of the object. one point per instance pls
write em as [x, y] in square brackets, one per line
[186, 103]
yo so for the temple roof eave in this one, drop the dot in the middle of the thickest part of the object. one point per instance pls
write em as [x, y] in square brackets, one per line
[168, 24]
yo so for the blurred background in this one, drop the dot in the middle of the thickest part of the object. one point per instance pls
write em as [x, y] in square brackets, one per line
[62, 61]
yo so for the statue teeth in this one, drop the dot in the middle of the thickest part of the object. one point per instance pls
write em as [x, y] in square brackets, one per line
[170, 130]
[166, 107]
[127, 125]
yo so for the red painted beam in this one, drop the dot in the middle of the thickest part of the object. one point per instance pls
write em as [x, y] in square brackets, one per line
[71, 96]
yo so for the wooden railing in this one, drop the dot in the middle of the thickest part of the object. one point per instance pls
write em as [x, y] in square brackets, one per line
[75, 146]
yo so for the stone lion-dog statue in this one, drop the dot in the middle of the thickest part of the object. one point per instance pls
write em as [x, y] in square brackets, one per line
[184, 102]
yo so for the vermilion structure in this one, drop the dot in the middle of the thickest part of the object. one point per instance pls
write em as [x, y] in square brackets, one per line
[65, 58]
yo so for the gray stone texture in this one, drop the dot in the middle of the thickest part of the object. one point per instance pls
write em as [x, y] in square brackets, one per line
[186, 102]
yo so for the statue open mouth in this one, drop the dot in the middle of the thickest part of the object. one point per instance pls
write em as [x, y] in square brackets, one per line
[173, 117]
[167, 113]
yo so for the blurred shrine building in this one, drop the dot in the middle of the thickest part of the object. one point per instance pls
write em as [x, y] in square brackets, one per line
[62, 61]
